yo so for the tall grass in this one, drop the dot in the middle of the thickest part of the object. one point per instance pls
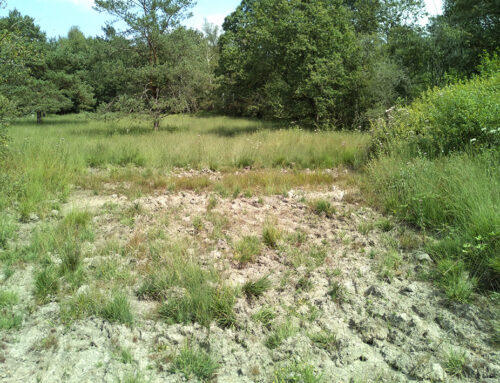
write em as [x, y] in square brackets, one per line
[45, 161]
[438, 170]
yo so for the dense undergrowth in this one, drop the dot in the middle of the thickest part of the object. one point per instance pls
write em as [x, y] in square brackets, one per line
[438, 169]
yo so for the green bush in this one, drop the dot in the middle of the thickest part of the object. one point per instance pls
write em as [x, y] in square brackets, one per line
[449, 119]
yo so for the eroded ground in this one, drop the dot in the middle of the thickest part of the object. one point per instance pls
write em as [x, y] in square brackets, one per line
[339, 294]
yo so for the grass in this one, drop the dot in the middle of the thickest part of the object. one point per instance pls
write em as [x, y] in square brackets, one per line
[322, 206]
[194, 362]
[325, 340]
[188, 293]
[265, 316]
[455, 361]
[44, 162]
[279, 334]
[456, 198]
[247, 249]
[9, 318]
[296, 372]
[7, 229]
[271, 235]
[257, 288]
[115, 308]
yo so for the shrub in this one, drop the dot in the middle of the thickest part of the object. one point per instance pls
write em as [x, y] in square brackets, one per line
[448, 119]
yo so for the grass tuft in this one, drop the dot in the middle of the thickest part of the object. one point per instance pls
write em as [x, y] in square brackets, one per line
[257, 288]
[247, 249]
[194, 363]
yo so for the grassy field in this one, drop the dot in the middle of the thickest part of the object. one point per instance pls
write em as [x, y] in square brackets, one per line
[46, 160]
[187, 242]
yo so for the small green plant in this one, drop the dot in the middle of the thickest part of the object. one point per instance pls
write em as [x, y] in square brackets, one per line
[118, 309]
[194, 362]
[198, 224]
[296, 372]
[271, 235]
[337, 292]
[279, 334]
[126, 356]
[322, 206]
[365, 227]
[325, 340]
[304, 283]
[455, 362]
[247, 249]
[46, 283]
[389, 263]
[265, 315]
[257, 288]
[8, 318]
[384, 225]
[212, 202]
[7, 230]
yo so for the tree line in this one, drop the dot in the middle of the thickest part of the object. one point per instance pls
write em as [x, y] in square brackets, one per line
[319, 64]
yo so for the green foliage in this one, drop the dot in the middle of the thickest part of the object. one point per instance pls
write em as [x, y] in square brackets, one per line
[271, 235]
[46, 283]
[7, 229]
[455, 362]
[265, 315]
[194, 362]
[449, 119]
[289, 60]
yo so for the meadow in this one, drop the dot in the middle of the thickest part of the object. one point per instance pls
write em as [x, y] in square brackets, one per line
[216, 231]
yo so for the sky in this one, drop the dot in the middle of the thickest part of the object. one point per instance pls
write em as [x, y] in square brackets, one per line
[56, 17]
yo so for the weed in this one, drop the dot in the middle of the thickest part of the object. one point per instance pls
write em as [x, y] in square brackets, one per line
[7, 230]
[126, 356]
[389, 263]
[304, 283]
[198, 224]
[194, 362]
[8, 318]
[337, 292]
[257, 288]
[247, 249]
[212, 202]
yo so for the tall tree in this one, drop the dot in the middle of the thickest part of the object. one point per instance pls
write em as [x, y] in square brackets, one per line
[147, 22]
[290, 59]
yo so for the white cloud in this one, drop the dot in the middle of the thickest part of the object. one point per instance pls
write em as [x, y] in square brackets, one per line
[82, 3]
[196, 22]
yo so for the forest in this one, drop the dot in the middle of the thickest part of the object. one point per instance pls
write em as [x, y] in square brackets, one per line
[308, 193]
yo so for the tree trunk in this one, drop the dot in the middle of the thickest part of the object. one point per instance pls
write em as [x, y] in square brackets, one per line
[156, 124]
[38, 117]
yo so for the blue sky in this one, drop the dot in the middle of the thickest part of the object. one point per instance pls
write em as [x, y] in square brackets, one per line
[56, 17]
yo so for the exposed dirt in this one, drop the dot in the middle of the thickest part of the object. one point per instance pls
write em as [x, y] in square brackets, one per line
[390, 326]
